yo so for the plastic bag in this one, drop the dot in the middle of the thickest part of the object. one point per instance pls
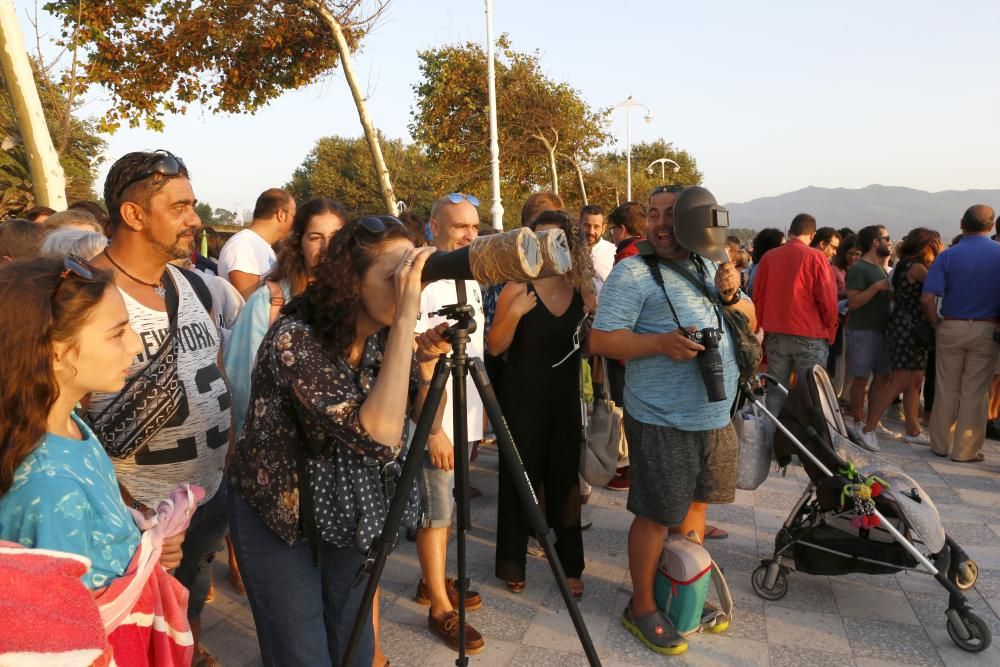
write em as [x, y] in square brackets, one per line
[755, 432]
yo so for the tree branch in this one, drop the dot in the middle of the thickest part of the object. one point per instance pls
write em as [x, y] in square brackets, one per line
[71, 93]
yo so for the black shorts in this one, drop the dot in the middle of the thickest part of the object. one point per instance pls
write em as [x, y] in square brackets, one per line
[672, 468]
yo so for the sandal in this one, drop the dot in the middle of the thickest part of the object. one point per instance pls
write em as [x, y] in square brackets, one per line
[713, 619]
[202, 658]
[654, 631]
[515, 586]
[715, 533]
[575, 587]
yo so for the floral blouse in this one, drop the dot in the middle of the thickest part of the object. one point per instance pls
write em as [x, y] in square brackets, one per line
[303, 434]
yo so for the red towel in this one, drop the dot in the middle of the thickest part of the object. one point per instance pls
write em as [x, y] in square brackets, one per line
[47, 615]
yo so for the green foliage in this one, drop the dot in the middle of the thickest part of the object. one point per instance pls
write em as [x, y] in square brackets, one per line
[536, 115]
[341, 168]
[204, 211]
[79, 161]
[224, 217]
[158, 56]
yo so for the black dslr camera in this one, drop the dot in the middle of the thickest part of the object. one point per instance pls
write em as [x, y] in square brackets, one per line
[710, 362]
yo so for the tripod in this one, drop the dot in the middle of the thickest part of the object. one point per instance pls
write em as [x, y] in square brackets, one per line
[459, 365]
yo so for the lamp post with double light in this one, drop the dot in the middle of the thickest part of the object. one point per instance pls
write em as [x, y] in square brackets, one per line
[663, 171]
[627, 104]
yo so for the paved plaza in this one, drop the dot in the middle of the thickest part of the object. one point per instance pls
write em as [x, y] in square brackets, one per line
[837, 621]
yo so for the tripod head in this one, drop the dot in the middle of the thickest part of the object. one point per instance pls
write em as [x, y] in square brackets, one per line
[464, 316]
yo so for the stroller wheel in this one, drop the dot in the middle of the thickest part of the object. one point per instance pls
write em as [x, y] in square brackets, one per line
[759, 582]
[973, 636]
[966, 575]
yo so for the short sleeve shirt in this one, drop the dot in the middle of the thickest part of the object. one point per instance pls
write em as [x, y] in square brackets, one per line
[436, 296]
[659, 390]
[65, 497]
[247, 252]
[603, 256]
[874, 315]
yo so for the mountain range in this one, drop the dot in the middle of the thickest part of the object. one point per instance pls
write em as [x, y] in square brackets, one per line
[899, 209]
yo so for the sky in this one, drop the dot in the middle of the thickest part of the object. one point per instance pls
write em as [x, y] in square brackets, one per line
[769, 97]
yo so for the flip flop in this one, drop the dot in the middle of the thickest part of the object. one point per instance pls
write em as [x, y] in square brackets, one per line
[654, 631]
[979, 458]
[713, 620]
[715, 533]
[515, 586]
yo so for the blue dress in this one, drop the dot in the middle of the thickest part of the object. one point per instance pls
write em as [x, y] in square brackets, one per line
[65, 497]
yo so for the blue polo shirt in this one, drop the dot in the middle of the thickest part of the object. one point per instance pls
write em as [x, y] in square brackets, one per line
[659, 390]
[967, 275]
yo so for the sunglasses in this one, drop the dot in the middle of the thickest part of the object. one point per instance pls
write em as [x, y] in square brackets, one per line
[76, 266]
[165, 164]
[672, 189]
[457, 197]
[576, 341]
[378, 224]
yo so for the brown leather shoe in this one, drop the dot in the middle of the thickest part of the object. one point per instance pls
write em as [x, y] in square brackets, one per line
[473, 600]
[447, 629]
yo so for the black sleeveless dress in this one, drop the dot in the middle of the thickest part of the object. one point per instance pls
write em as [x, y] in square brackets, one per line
[542, 408]
[906, 349]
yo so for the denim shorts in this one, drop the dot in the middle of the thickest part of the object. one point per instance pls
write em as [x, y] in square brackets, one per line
[437, 495]
[868, 353]
[203, 538]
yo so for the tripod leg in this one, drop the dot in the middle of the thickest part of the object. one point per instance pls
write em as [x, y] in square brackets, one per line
[461, 434]
[529, 502]
[381, 546]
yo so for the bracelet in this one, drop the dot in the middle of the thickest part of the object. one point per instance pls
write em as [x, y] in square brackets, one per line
[425, 383]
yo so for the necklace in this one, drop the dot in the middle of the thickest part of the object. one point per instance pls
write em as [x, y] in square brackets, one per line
[158, 289]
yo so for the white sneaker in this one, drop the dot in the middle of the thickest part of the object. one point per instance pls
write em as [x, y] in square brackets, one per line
[882, 429]
[868, 441]
[918, 439]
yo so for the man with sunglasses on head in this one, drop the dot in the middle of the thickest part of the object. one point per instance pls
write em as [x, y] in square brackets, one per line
[186, 439]
[248, 256]
[454, 223]
[682, 447]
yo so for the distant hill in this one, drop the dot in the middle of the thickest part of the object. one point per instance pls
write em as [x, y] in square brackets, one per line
[899, 209]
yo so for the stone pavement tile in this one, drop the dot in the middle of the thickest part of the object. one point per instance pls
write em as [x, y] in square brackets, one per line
[720, 650]
[805, 629]
[914, 582]
[731, 513]
[232, 644]
[972, 533]
[496, 653]
[948, 467]
[854, 601]
[407, 646]
[971, 482]
[875, 662]
[930, 609]
[776, 500]
[553, 629]
[532, 656]
[986, 556]
[601, 582]
[895, 642]
[984, 498]
[966, 513]
[988, 583]
[809, 593]
[770, 520]
[748, 621]
[869, 581]
[737, 566]
[501, 616]
[788, 656]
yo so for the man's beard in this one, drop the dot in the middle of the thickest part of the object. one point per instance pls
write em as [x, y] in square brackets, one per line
[177, 250]
[884, 252]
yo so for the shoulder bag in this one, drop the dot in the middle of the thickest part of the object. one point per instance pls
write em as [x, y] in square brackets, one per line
[604, 438]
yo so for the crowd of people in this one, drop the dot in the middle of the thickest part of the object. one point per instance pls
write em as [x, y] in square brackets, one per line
[277, 384]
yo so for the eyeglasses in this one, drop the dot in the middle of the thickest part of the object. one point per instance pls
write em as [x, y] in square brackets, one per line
[576, 341]
[73, 265]
[886, 238]
[378, 224]
[166, 164]
[672, 189]
[458, 197]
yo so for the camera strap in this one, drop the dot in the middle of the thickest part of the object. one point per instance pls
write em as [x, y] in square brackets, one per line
[653, 262]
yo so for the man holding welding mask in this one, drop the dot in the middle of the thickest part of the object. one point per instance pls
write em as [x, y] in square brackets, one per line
[661, 311]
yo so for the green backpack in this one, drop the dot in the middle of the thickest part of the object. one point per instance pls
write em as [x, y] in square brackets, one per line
[681, 586]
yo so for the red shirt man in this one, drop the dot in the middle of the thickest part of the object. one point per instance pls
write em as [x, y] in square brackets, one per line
[796, 302]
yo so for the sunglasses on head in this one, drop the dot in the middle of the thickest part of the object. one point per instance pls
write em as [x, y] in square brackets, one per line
[672, 189]
[457, 197]
[76, 266]
[164, 163]
[378, 224]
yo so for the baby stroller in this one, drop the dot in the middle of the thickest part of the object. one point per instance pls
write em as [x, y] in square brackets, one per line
[859, 513]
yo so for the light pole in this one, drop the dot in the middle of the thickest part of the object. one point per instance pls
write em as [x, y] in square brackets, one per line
[663, 172]
[497, 208]
[628, 103]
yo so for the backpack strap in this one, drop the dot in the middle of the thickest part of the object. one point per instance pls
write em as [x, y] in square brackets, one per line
[200, 288]
[722, 588]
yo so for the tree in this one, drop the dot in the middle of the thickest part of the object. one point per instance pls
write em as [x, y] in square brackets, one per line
[158, 56]
[204, 211]
[79, 160]
[224, 216]
[538, 120]
[604, 175]
[340, 167]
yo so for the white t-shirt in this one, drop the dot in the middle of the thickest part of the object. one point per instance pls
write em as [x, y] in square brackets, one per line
[603, 256]
[246, 251]
[436, 296]
[191, 446]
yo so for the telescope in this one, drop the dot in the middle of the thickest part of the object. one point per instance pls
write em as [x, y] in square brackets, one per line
[515, 256]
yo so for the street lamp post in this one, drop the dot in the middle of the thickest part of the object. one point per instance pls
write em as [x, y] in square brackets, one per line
[663, 172]
[628, 103]
[496, 210]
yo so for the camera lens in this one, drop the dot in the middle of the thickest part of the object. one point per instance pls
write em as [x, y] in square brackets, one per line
[710, 364]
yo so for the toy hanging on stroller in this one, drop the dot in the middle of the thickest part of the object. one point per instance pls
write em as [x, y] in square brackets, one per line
[859, 513]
